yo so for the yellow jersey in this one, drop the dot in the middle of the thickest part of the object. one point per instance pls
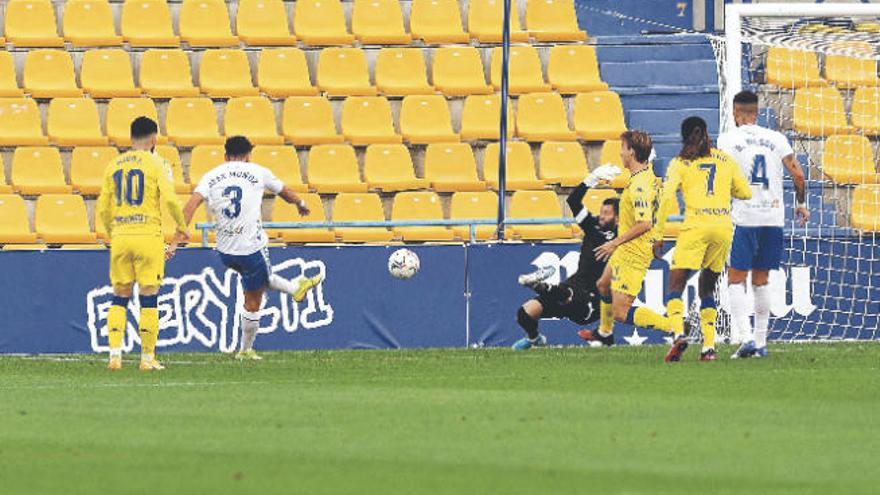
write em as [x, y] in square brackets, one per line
[638, 203]
[135, 185]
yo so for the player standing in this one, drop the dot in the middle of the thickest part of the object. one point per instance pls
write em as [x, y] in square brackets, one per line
[758, 238]
[135, 185]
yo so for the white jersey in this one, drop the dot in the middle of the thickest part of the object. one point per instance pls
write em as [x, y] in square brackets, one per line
[234, 194]
[760, 153]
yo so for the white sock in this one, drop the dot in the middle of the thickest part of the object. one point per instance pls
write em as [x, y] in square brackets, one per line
[762, 314]
[282, 284]
[741, 328]
[147, 357]
[116, 353]
[250, 325]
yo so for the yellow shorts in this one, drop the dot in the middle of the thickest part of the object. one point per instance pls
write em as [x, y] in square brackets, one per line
[702, 247]
[137, 258]
[628, 272]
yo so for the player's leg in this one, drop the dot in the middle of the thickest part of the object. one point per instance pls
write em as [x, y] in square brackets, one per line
[690, 251]
[528, 316]
[627, 276]
[122, 278]
[606, 314]
[708, 312]
[297, 288]
[250, 323]
[150, 269]
[742, 254]
[771, 249]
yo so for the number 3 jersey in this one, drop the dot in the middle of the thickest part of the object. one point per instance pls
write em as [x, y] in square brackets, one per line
[234, 193]
[760, 153]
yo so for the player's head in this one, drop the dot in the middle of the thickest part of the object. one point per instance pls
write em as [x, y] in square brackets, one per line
[635, 148]
[695, 139]
[144, 133]
[238, 149]
[745, 108]
[608, 212]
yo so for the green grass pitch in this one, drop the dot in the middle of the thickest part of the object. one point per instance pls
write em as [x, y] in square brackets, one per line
[573, 420]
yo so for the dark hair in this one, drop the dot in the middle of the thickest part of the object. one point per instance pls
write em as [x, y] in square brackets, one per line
[614, 203]
[238, 146]
[695, 139]
[641, 144]
[745, 98]
[142, 127]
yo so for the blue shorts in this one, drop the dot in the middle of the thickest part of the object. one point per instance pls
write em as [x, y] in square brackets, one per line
[756, 248]
[254, 268]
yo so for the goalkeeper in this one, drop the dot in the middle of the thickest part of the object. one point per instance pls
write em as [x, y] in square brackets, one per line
[576, 299]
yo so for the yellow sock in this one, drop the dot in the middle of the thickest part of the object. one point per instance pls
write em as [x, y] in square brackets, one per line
[149, 330]
[606, 318]
[116, 321]
[707, 324]
[675, 313]
[646, 318]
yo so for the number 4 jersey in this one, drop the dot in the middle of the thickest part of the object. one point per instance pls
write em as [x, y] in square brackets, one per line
[234, 193]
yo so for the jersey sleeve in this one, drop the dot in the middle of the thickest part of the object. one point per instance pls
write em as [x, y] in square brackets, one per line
[104, 204]
[668, 199]
[202, 187]
[167, 194]
[725, 143]
[783, 147]
[272, 182]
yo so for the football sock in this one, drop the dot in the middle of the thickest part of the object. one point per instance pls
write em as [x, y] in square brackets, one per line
[643, 317]
[529, 324]
[250, 325]
[708, 314]
[762, 314]
[149, 325]
[675, 313]
[116, 322]
[741, 327]
[606, 317]
[281, 284]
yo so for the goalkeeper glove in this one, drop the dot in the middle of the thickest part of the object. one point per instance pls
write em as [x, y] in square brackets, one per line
[605, 173]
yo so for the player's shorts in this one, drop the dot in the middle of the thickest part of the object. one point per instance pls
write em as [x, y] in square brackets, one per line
[137, 258]
[582, 309]
[254, 268]
[628, 272]
[757, 248]
[702, 247]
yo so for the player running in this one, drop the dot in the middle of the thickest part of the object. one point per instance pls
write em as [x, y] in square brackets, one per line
[234, 194]
[707, 178]
[577, 298]
[757, 239]
[135, 186]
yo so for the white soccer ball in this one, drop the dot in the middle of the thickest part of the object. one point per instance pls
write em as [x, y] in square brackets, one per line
[403, 264]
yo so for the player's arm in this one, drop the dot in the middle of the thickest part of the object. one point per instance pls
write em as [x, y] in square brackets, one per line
[169, 198]
[800, 186]
[668, 199]
[275, 185]
[104, 205]
[191, 206]
[575, 199]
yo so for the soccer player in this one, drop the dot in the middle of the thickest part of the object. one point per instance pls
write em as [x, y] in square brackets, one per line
[707, 178]
[135, 185]
[234, 194]
[762, 154]
[577, 298]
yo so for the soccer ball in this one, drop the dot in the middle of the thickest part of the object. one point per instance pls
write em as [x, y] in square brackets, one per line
[403, 264]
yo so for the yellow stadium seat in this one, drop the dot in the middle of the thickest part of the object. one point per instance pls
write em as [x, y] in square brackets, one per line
[611, 155]
[481, 116]
[866, 110]
[367, 120]
[598, 116]
[360, 207]
[14, 224]
[334, 168]
[849, 159]
[283, 162]
[321, 22]
[283, 211]
[147, 23]
[819, 112]
[90, 23]
[38, 170]
[401, 71]
[481, 205]
[4, 187]
[8, 78]
[485, 18]
[574, 69]
[426, 119]
[20, 122]
[122, 111]
[389, 167]
[562, 163]
[451, 167]
[32, 23]
[415, 206]
[254, 117]
[206, 23]
[87, 164]
[520, 167]
[378, 22]
[595, 197]
[225, 73]
[283, 72]
[344, 72]
[542, 117]
[851, 72]
[107, 73]
[553, 20]
[792, 69]
[263, 22]
[172, 157]
[537, 204]
[169, 227]
[166, 74]
[202, 160]
[458, 71]
[437, 21]
[525, 71]
[192, 121]
[49, 74]
[308, 120]
[74, 121]
[865, 207]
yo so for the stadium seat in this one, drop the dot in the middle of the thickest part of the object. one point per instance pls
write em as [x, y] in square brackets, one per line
[598, 116]
[202, 159]
[482, 205]
[87, 164]
[344, 72]
[122, 111]
[206, 23]
[542, 117]
[595, 197]
[20, 122]
[610, 154]
[283, 72]
[224, 73]
[481, 116]
[419, 205]
[282, 211]
[792, 69]
[192, 121]
[8, 78]
[14, 224]
[451, 167]
[819, 112]
[389, 167]
[147, 23]
[263, 22]
[49, 74]
[166, 74]
[426, 119]
[172, 157]
[574, 69]
[254, 117]
[865, 207]
[32, 23]
[308, 120]
[4, 187]
[520, 167]
[360, 207]
[866, 110]
[537, 204]
[850, 72]
[321, 22]
[526, 75]
[90, 23]
[553, 20]
[562, 163]
[378, 22]
[334, 168]
[437, 21]
[367, 120]
[849, 160]
[38, 170]
[402, 71]
[107, 73]
[74, 122]
[169, 227]
[283, 162]
[458, 71]
[485, 19]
